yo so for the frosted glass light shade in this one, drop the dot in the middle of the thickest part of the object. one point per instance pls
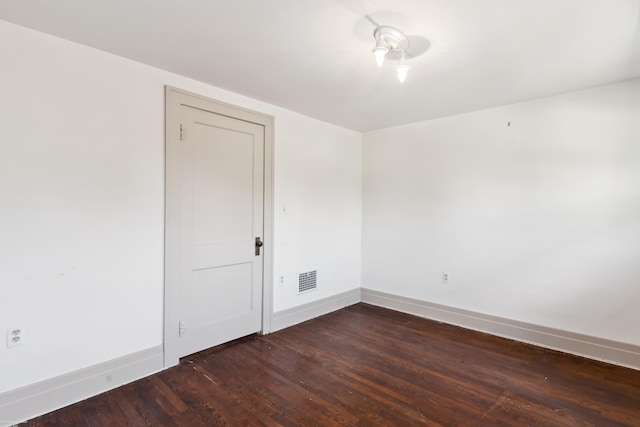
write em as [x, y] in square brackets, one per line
[402, 70]
[380, 51]
[380, 54]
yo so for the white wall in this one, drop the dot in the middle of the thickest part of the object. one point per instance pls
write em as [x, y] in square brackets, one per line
[319, 185]
[538, 221]
[82, 191]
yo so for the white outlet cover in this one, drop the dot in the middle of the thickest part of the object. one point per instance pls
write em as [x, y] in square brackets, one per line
[15, 336]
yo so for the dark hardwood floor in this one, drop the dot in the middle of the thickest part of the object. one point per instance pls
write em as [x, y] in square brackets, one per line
[368, 366]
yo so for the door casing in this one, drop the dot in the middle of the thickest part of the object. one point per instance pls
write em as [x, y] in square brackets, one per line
[174, 99]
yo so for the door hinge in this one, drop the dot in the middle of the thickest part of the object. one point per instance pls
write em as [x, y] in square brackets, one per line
[182, 329]
[181, 132]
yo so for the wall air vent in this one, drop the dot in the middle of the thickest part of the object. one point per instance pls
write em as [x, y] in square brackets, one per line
[307, 281]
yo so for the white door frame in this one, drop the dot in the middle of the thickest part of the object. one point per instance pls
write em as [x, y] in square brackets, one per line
[174, 99]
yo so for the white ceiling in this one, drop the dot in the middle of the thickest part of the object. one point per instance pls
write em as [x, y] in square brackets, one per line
[314, 56]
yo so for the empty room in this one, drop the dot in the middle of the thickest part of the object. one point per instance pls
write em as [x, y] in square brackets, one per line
[331, 213]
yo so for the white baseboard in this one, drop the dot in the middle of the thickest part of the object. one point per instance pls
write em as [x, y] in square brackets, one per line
[302, 313]
[42, 397]
[618, 353]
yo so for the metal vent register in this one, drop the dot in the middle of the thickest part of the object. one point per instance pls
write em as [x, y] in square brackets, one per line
[307, 281]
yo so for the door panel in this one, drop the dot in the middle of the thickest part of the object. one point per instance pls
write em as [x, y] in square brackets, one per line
[223, 184]
[232, 281]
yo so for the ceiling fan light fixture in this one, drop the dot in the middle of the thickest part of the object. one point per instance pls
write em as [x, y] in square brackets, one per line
[390, 39]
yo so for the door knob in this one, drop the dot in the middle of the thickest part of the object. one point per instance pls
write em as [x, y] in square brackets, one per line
[258, 245]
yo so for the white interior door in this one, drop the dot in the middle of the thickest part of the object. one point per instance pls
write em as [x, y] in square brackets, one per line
[215, 214]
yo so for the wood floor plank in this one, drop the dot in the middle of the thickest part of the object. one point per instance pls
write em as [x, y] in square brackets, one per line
[368, 366]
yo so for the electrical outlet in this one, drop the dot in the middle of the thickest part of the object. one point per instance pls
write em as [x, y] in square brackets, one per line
[281, 281]
[15, 336]
[445, 278]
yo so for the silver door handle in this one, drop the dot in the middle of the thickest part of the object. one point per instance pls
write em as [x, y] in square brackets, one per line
[258, 245]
